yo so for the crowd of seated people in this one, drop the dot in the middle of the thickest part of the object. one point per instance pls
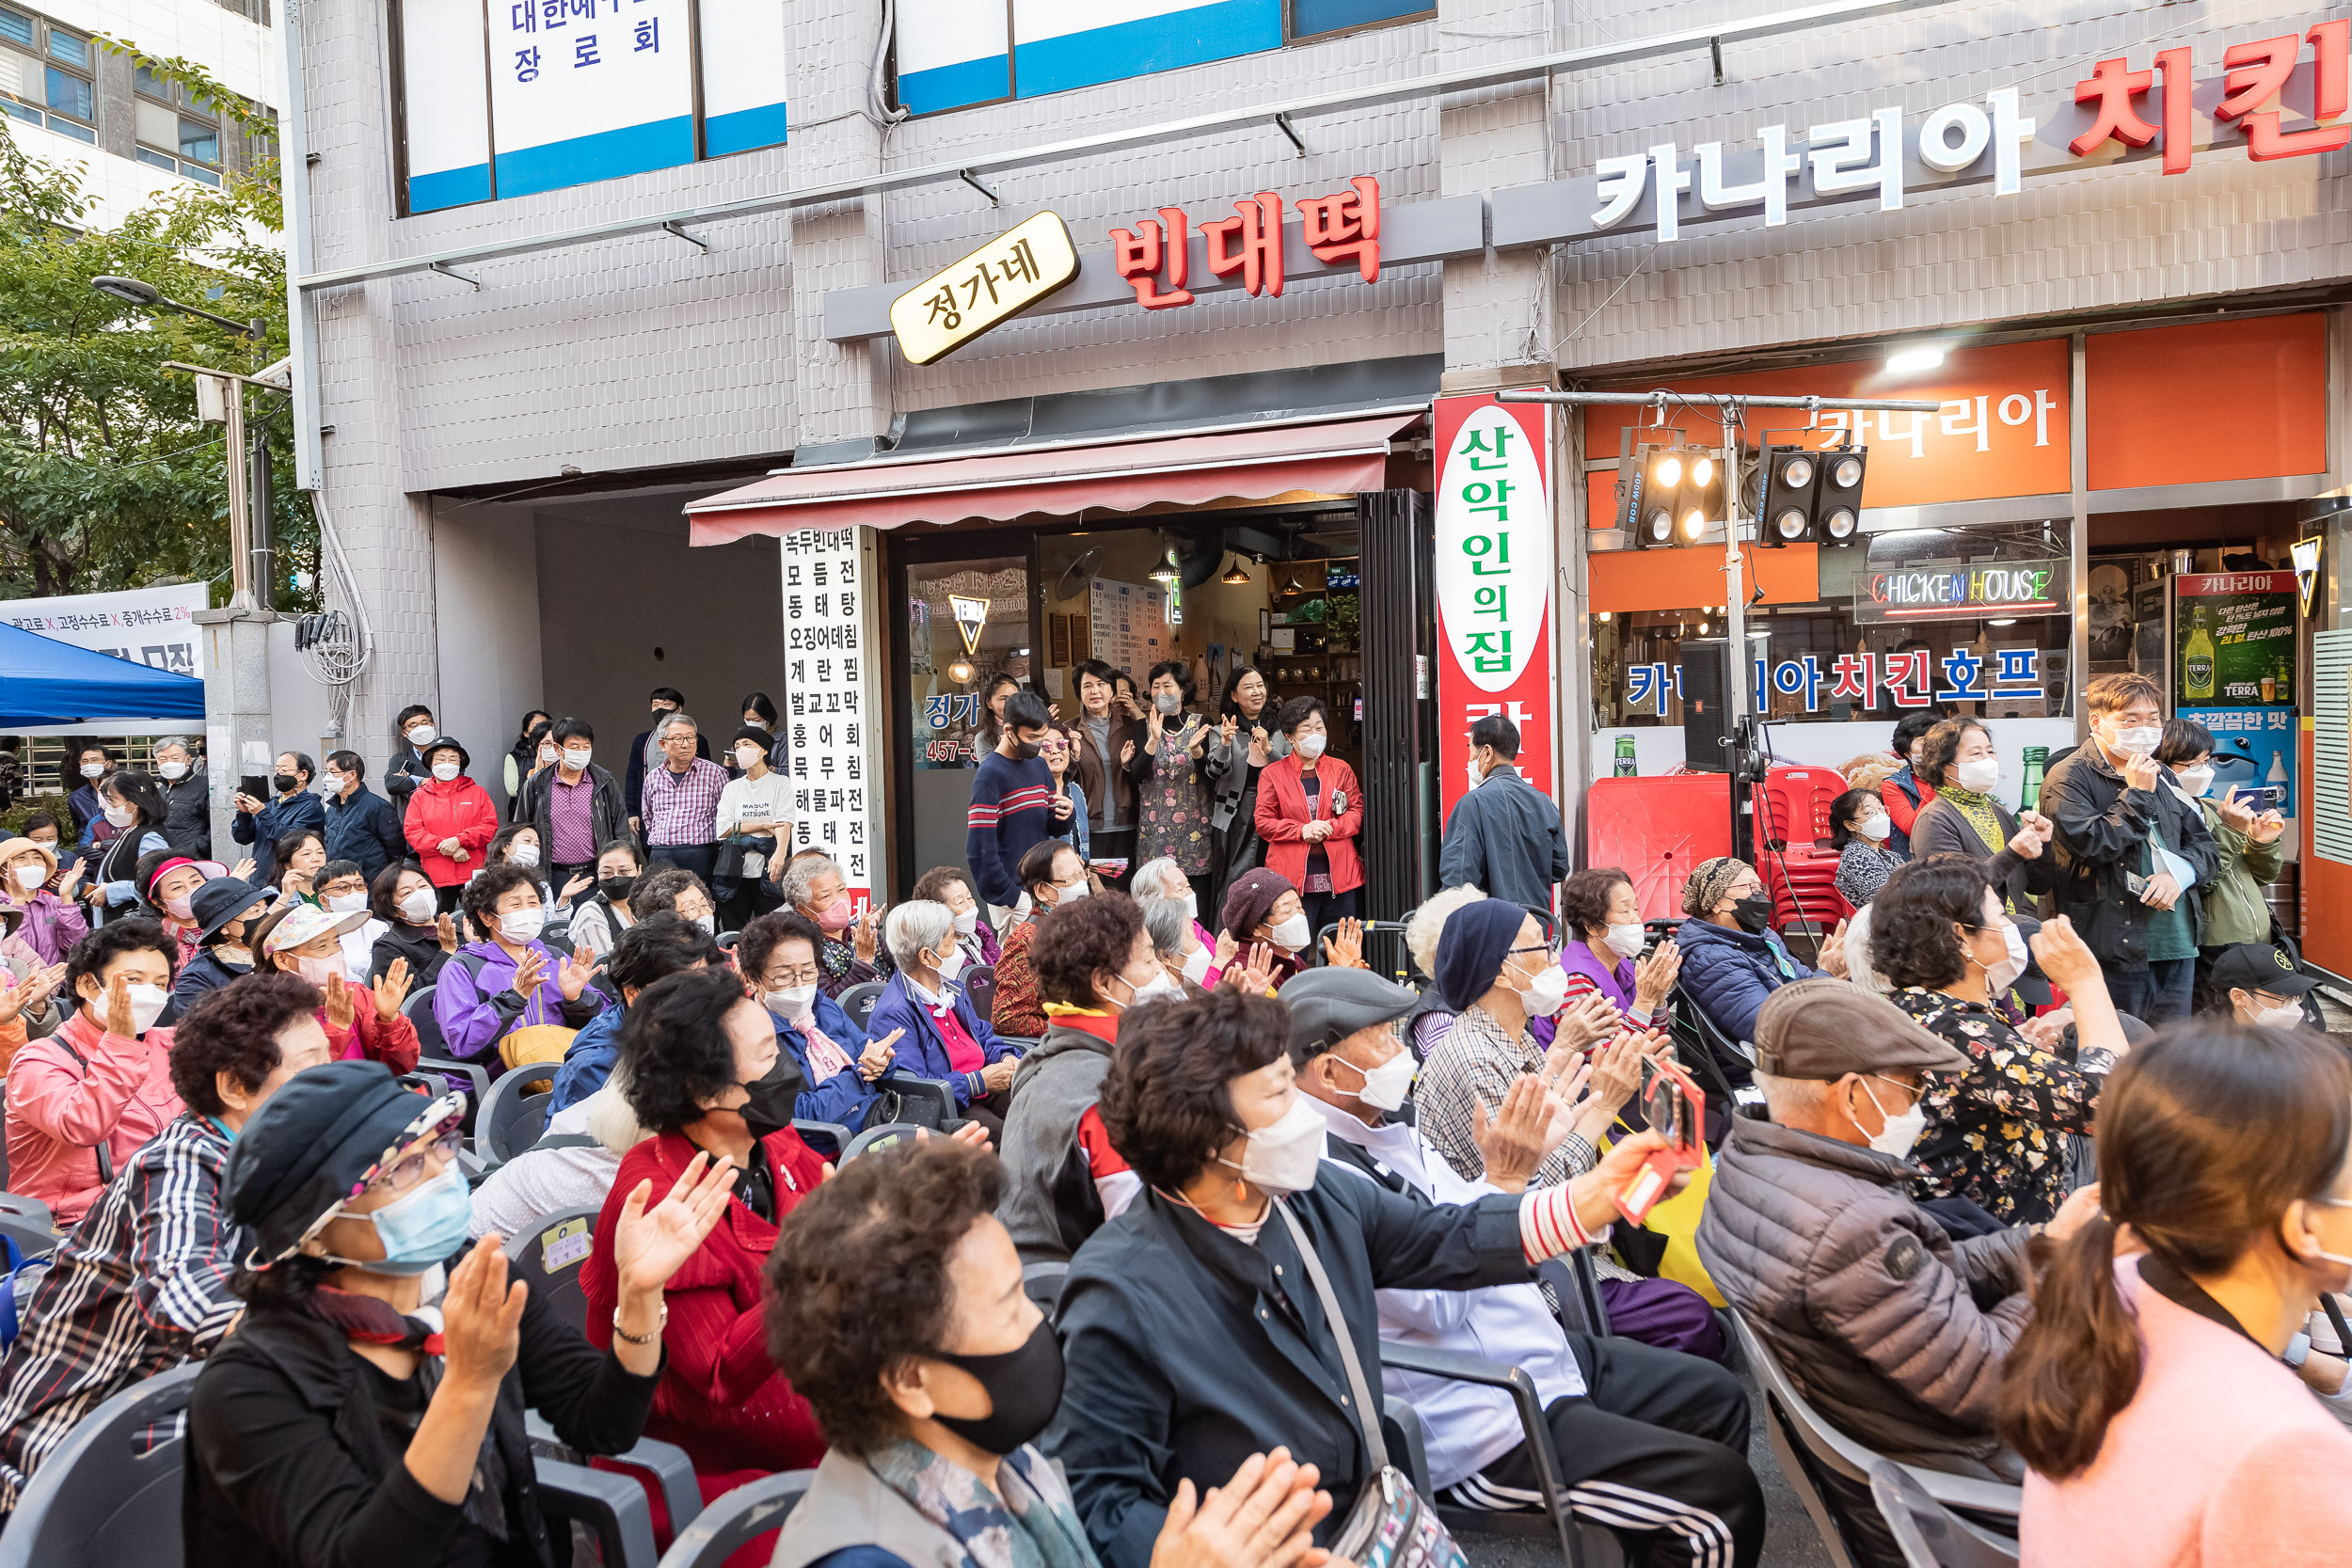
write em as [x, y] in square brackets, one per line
[1982, 1219]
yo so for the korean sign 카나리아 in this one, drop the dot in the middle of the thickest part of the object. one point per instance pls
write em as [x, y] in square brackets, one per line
[828, 721]
[986, 288]
[1494, 577]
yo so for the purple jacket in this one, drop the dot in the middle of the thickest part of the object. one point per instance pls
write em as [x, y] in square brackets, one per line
[1613, 982]
[475, 1003]
[53, 925]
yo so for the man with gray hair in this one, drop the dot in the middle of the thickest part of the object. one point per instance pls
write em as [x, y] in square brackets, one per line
[941, 1036]
[187, 824]
[681, 798]
[1867, 1302]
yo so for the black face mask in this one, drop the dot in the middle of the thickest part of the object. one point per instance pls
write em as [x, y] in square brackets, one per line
[616, 889]
[282, 782]
[1024, 1391]
[1026, 750]
[775, 1097]
[1754, 913]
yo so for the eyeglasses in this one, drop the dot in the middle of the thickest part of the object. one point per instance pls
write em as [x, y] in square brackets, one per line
[802, 975]
[413, 1166]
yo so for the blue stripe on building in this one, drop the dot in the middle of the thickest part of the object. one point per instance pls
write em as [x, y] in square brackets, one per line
[952, 86]
[448, 187]
[741, 130]
[605, 156]
[1189, 36]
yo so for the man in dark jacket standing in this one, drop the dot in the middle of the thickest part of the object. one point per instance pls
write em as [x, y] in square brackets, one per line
[2132, 851]
[1860, 1294]
[361, 825]
[407, 768]
[576, 806]
[1504, 835]
[291, 809]
[188, 814]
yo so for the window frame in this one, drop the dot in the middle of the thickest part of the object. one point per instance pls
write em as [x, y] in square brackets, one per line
[184, 108]
[41, 54]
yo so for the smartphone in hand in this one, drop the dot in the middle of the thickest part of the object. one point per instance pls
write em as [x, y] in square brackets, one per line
[1673, 1106]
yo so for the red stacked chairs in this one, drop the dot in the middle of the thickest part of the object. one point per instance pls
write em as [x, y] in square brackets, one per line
[1792, 808]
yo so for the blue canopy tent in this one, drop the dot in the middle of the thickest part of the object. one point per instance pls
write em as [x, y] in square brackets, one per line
[44, 681]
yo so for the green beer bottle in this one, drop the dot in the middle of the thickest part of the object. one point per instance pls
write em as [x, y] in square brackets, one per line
[2029, 795]
[1625, 767]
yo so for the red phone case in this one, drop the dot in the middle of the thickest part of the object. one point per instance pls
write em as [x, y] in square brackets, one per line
[1649, 1185]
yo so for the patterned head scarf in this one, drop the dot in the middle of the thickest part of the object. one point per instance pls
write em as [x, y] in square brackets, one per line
[1710, 882]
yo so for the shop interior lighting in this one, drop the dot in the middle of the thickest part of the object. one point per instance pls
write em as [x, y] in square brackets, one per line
[1237, 576]
[1910, 361]
[2004, 621]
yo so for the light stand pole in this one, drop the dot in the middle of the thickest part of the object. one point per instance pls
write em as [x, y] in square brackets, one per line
[237, 718]
[1747, 762]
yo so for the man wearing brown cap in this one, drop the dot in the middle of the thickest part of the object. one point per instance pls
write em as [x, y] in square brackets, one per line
[1868, 1304]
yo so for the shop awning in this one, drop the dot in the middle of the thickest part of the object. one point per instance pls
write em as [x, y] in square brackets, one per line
[1254, 463]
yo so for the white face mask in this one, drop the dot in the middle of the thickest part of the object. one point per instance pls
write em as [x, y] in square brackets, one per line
[1282, 1157]
[1158, 986]
[1079, 889]
[147, 1005]
[522, 925]
[93, 770]
[1901, 1132]
[951, 964]
[2138, 742]
[174, 770]
[1292, 935]
[1473, 774]
[420, 904]
[2288, 1015]
[2004, 975]
[1626, 940]
[708, 922]
[792, 1001]
[1544, 994]
[2196, 780]
[1875, 829]
[423, 735]
[746, 758]
[445, 772]
[522, 854]
[1192, 905]
[343, 903]
[121, 817]
[576, 757]
[1979, 774]
[967, 923]
[1196, 967]
[1309, 745]
[1386, 1086]
[29, 877]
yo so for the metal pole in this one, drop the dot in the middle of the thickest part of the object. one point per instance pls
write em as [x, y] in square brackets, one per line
[258, 492]
[240, 530]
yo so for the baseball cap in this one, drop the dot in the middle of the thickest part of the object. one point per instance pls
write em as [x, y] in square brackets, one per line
[2258, 966]
[1328, 1005]
[1825, 1028]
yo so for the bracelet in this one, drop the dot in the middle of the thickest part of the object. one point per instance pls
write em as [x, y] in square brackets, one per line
[620, 1332]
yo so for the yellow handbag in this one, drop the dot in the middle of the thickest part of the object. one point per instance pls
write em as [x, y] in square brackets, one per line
[1677, 1219]
[538, 1042]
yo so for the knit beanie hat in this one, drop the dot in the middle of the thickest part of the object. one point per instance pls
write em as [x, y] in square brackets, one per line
[1477, 938]
[1251, 899]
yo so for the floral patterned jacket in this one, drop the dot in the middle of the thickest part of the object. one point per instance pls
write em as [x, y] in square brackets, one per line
[1996, 1134]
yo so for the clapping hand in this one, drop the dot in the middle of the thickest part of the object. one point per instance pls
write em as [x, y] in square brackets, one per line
[1654, 975]
[573, 977]
[1227, 948]
[481, 1317]
[1255, 976]
[245, 869]
[1513, 1143]
[339, 1008]
[2047, 1030]
[1344, 947]
[1589, 1017]
[445, 932]
[530, 971]
[32, 992]
[649, 1244]
[72, 875]
[574, 888]
[865, 935]
[1833, 950]
[391, 990]
[1265, 1517]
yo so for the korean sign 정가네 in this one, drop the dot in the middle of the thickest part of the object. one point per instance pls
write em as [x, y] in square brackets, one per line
[988, 288]
[829, 705]
[1494, 577]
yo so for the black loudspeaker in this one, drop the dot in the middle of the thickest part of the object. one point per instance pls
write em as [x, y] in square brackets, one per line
[1706, 704]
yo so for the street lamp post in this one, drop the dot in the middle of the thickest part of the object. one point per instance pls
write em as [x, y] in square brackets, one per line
[238, 728]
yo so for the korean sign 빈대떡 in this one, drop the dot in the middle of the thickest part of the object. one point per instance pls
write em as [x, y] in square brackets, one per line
[986, 288]
[1341, 230]
[1494, 575]
[828, 715]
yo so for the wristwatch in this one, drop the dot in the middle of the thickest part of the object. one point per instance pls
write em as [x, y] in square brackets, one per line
[620, 1332]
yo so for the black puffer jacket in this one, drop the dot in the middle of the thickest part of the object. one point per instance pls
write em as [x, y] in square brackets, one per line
[1869, 1305]
[2102, 839]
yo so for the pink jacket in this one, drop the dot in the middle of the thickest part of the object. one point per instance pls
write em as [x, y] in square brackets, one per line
[60, 1110]
[2223, 1456]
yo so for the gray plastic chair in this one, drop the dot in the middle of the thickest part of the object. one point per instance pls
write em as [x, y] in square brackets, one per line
[925, 1101]
[27, 1221]
[671, 1470]
[1793, 1424]
[874, 1137]
[99, 1500]
[611, 1506]
[512, 1118]
[858, 1001]
[548, 1257]
[1930, 1534]
[734, 1521]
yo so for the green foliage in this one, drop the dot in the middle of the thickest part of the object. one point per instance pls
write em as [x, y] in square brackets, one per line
[12, 820]
[107, 480]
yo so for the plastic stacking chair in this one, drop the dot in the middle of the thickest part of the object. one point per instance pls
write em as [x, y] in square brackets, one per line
[548, 1258]
[512, 1117]
[735, 1520]
[880, 1137]
[858, 1001]
[672, 1471]
[111, 1493]
[1930, 1534]
[610, 1505]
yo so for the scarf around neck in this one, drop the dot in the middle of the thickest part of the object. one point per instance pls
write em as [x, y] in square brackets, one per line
[1029, 1523]
[1979, 813]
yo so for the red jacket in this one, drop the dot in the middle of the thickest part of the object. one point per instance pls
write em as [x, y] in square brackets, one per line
[1282, 812]
[721, 1398]
[459, 809]
[369, 1038]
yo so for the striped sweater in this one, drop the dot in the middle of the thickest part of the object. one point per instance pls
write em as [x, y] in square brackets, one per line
[1012, 807]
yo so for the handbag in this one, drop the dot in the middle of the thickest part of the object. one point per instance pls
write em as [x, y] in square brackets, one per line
[1390, 1525]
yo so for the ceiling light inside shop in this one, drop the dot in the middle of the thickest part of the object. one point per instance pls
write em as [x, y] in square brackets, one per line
[2005, 621]
[1909, 361]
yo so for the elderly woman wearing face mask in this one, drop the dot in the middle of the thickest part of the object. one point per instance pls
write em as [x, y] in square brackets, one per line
[896, 1307]
[1967, 818]
[361, 1024]
[82, 1100]
[53, 920]
[1052, 874]
[1095, 963]
[943, 1037]
[1996, 1134]
[1264, 923]
[341, 1423]
[1732, 958]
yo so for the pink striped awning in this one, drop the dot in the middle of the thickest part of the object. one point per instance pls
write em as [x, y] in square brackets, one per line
[1334, 457]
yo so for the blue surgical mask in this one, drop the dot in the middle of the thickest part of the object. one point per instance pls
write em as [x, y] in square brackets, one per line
[421, 1227]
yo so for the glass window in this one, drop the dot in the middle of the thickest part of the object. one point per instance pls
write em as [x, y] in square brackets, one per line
[70, 94]
[145, 81]
[199, 141]
[160, 160]
[66, 47]
[967, 622]
[199, 173]
[16, 26]
[65, 127]
[20, 111]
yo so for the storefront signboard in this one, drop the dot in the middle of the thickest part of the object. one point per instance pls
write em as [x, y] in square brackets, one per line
[2253, 750]
[1156, 256]
[1494, 579]
[2234, 638]
[1907, 680]
[1127, 624]
[1964, 590]
[1024, 264]
[831, 702]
